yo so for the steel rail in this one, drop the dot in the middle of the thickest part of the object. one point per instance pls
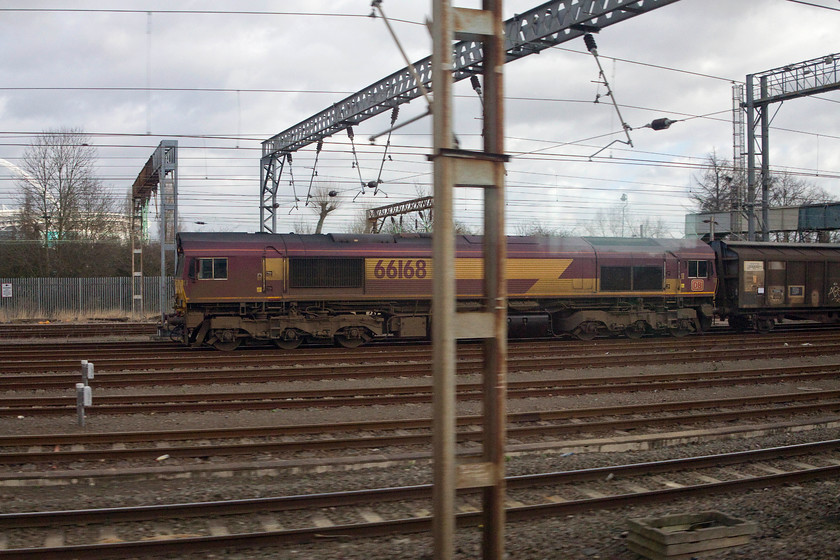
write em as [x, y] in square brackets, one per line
[77, 349]
[271, 374]
[366, 497]
[409, 423]
[66, 356]
[378, 442]
[705, 339]
[16, 331]
[396, 394]
[517, 360]
[132, 404]
[109, 438]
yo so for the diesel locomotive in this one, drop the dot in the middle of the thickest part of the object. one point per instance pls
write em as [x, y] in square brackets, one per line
[290, 289]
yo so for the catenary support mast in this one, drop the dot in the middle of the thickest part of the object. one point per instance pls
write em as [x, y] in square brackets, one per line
[159, 175]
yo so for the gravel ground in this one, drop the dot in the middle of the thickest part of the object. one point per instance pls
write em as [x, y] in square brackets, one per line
[795, 522]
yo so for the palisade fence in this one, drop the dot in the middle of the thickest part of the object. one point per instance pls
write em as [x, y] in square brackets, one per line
[79, 298]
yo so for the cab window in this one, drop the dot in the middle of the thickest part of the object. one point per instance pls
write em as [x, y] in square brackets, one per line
[698, 269]
[212, 269]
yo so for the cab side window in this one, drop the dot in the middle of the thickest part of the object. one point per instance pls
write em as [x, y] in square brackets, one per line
[213, 269]
[698, 269]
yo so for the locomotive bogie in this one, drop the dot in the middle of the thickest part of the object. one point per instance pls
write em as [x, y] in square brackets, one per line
[287, 330]
[587, 324]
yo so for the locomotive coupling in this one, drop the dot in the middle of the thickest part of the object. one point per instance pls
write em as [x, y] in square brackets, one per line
[174, 319]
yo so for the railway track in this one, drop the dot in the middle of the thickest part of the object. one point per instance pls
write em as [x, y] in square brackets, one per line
[399, 394]
[277, 521]
[807, 401]
[549, 428]
[74, 350]
[417, 360]
[106, 329]
[139, 378]
[75, 330]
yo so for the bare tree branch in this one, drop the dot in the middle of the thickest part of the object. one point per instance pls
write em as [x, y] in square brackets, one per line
[60, 196]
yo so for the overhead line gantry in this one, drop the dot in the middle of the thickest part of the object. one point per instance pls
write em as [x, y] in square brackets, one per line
[533, 31]
[810, 77]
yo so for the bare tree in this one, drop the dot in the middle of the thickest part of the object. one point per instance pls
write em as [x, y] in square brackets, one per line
[609, 222]
[652, 228]
[718, 188]
[721, 188]
[302, 227]
[789, 190]
[616, 221]
[359, 223]
[60, 196]
[541, 230]
[324, 201]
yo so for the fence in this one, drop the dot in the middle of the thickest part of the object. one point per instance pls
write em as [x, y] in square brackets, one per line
[79, 298]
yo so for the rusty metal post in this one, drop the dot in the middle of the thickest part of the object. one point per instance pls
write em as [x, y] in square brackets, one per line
[495, 289]
[471, 169]
[443, 300]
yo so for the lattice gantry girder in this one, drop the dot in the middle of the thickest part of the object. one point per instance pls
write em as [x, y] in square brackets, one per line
[796, 80]
[415, 205]
[537, 29]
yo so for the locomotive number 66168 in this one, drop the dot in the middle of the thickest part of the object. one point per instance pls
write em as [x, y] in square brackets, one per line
[407, 269]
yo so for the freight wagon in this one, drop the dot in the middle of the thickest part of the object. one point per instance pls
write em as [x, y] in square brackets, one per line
[763, 283]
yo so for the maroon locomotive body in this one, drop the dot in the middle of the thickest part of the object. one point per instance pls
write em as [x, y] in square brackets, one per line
[289, 289]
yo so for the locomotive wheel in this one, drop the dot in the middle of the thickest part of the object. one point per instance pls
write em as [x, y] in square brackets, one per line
[764, 325]
[586, 331]
[287, 344]
[348, 342]
[351, 337]
[290, 340]
[226, 340]
[684, 329]
[636, 330]
[227, 345]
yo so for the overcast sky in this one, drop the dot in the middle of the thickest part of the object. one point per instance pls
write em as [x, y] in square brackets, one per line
[221, 83]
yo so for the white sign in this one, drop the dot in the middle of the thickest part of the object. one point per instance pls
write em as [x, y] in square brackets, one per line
[7, 290]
